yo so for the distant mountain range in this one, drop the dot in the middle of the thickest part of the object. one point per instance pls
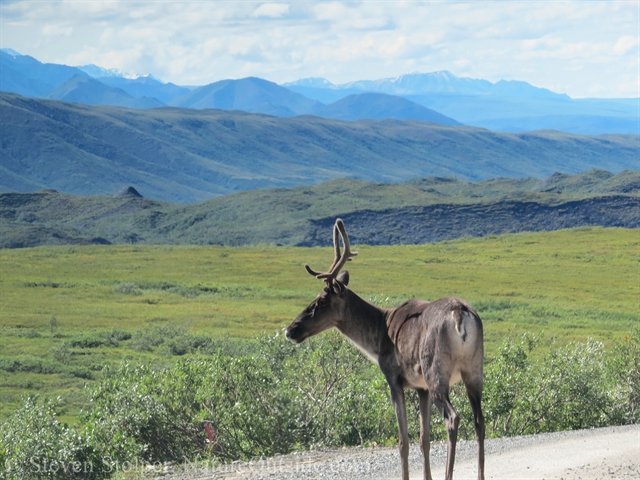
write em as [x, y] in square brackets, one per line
[186, 155]
[429, 83]
[435, 97]
[509, 106]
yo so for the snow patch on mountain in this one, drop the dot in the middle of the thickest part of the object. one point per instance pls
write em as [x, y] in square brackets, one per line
[98, 72]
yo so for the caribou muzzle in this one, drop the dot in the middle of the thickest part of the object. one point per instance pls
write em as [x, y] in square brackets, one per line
[306, 325]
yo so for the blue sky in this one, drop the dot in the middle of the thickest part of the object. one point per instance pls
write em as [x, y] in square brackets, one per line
[582, 48]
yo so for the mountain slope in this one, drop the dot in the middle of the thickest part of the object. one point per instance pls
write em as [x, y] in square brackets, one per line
[146, 87]
[80, 89]
[41, 77]
[423, 210]
[188, 155]
[250, 95]
[13, 81]
[378, 106]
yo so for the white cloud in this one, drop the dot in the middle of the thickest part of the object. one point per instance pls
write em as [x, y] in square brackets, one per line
[624, 44]
[56, 30]
[273, 10]
[574, 45]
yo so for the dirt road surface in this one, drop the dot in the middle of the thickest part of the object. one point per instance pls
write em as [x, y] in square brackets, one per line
[611, 453]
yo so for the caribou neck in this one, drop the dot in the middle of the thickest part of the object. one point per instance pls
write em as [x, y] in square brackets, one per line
[365, 325]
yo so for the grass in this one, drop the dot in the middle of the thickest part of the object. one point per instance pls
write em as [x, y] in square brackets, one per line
[67, 311]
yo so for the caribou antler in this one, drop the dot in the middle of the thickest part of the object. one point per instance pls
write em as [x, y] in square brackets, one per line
[339, 259]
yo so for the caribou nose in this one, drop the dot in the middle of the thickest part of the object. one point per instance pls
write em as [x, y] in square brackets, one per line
[287, 334]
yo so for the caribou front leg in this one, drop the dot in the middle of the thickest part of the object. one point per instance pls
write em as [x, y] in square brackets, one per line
[397, 399]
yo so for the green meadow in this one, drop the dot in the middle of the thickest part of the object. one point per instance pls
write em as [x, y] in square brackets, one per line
[65, 312]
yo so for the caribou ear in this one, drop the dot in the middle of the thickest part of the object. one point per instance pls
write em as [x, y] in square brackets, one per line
[343, 277]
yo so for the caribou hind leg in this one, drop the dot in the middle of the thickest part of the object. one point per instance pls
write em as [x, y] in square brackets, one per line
[451, 421]
[474, 392]
[425, 431]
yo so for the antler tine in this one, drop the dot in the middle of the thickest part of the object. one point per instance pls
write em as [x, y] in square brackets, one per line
[336, 258]
[340, 260]
[345, 239]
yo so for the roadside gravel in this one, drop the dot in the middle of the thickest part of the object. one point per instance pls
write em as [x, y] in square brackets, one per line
[605, 453]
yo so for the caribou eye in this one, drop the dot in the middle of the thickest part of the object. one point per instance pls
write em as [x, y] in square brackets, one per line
[322, 302]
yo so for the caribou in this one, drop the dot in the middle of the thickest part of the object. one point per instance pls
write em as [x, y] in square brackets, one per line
[425, 346]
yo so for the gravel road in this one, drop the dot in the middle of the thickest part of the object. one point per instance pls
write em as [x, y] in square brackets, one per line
[605, 453]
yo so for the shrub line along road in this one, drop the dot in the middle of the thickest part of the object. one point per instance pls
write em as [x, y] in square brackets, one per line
[611, 453]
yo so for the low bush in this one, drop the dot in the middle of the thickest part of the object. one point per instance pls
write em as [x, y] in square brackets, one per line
[570, 388]
[624, 365]
[28, 363]
[111, 338]
[35, 445]
[276, 397]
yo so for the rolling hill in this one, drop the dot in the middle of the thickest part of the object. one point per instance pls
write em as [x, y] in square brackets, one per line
[185, 155]
[417, 211]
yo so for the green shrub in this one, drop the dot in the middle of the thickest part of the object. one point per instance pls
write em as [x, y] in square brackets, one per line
[90, 341]
[272, 397]
[127, 289]
[62, 354]
[28, 363]
[572, 387]
[111, 338]
[624, 368]
[138, 413]
[35, 445]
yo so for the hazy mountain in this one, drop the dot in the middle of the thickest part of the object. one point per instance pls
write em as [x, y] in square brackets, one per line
[518, 114]
[582, 124]
[428, 83]
[79, 89]
[324, 95]
[95, 71]
[27, 76]
[187, 155]
[250, 95]
[502, 106]
[13, 81]
[511, 106]
[10, 51]
[378, 106]
[147, 86]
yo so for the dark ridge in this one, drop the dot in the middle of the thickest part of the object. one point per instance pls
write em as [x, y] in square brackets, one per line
[128, 192]
[435, 223]
[419, 211]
